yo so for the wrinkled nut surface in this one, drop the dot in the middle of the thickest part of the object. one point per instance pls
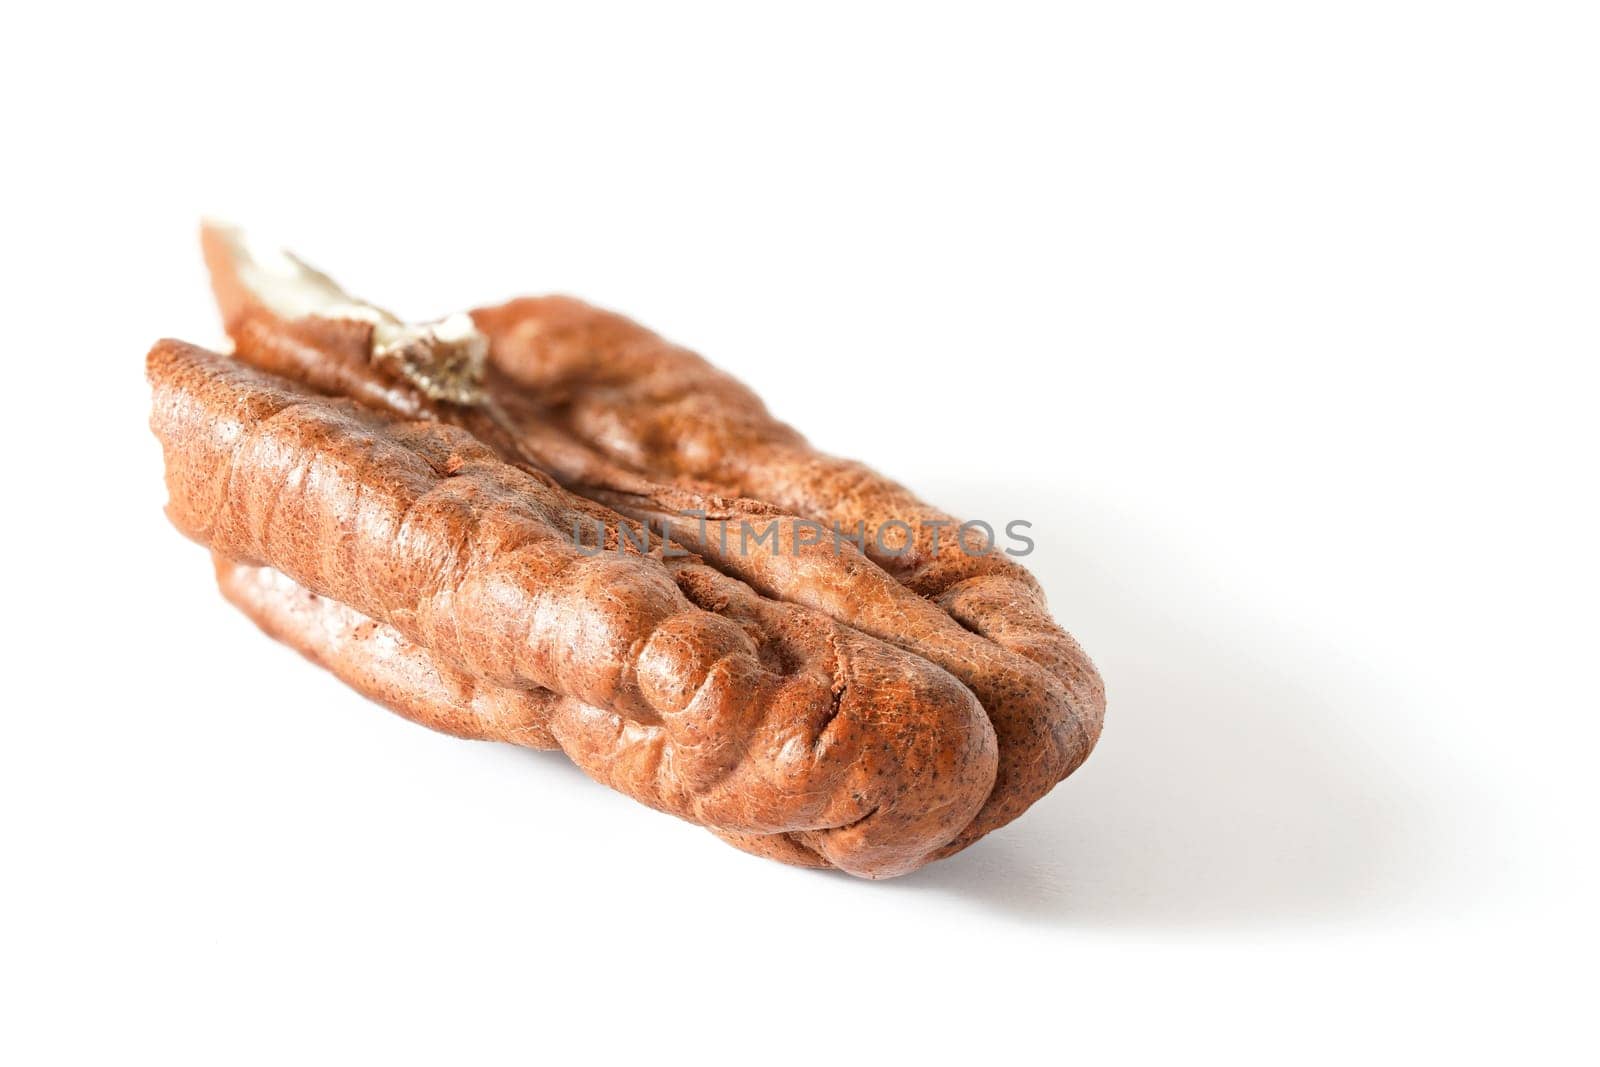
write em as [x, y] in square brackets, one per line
[398, 503]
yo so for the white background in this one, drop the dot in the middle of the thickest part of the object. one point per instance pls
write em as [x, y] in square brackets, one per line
[1277, 320]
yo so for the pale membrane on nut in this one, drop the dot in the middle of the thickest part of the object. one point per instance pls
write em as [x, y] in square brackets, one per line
[445, 358]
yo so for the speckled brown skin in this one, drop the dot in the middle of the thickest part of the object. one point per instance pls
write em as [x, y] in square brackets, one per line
[611, 392]
[677, 684]
[614, 413]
